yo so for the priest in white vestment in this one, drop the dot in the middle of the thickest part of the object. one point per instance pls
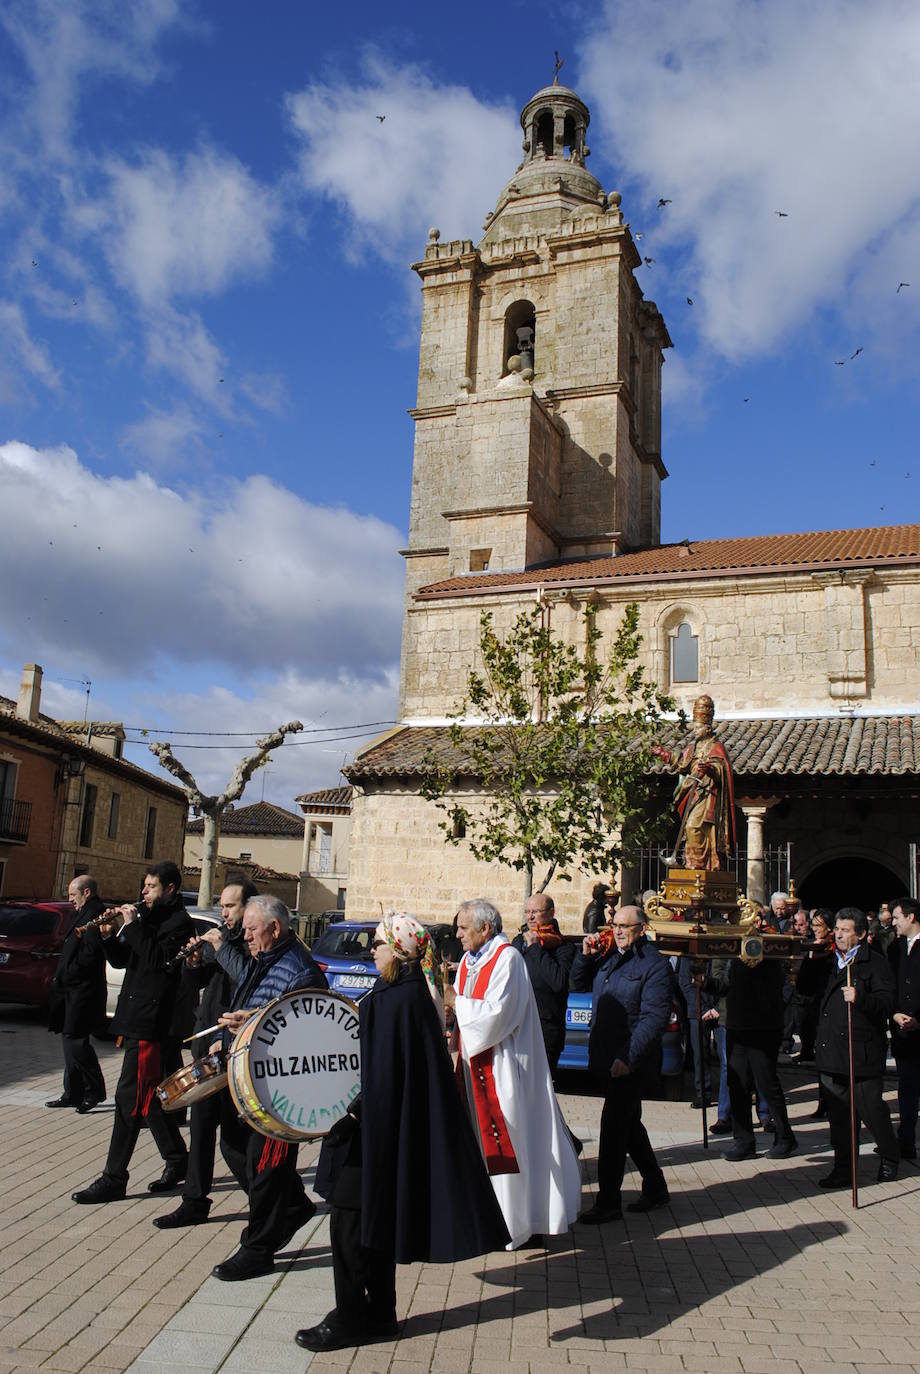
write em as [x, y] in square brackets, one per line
[505, 1080]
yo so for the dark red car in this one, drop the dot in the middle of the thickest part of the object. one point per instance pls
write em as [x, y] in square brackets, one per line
[31, 938]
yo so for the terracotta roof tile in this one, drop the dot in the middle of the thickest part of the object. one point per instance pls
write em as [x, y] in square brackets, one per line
[886, 545]
[326, 796]
[810, 746]
[262, 818]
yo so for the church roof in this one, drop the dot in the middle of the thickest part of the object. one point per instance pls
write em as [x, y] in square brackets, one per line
[326, 798]
[262, 818]
[806, 746]
[889, 545]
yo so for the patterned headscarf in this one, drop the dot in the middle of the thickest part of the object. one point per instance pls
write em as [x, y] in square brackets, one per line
[411, 943]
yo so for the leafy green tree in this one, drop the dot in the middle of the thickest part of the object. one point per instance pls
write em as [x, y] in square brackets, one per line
[563, 751]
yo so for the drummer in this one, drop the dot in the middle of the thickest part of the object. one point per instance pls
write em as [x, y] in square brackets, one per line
[278, 1204]
[217, 1112]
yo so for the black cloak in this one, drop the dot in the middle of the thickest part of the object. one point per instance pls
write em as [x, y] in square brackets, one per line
[425, 1196]
[78, 989]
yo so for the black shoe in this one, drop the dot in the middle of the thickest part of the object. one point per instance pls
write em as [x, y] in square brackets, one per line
[295, 1218]
[170, 1178]
[782, 1149]
[88, 1104]
[721, 1128]
[326, 1337]
[837, 1178]
[699, 1103]
[768, 1124]
[739, 1152]
[62, 1101]
[188, 1213]
[888, 1170]
[242, 1265]
[597, 1215]
[647, 1202]
[103, 1190]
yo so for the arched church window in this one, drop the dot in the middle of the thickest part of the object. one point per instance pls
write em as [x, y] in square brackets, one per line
[544, 139]
[685, 654]
[570, 135]
[520, 338]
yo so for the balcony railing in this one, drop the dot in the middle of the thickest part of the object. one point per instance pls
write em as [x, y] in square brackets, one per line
[14, 820]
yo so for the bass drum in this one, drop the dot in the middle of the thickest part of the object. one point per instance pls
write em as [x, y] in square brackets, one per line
[295, 1066]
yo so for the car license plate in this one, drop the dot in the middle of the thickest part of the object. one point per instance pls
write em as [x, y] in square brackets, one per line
[356, 980]
[580, 1016]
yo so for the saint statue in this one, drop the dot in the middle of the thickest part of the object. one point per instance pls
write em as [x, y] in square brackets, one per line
[704, 794]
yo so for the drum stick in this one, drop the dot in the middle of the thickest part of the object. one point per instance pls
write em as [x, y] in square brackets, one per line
[206, 1031]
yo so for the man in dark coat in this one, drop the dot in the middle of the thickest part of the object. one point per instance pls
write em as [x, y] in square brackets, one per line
[549, 962]
[862, 982]
[211, 1114]
[78, 994]
[754, 1014]
[904, 958]
[278, 1206]
[403, 1172]
[145, 947]
[632, 988]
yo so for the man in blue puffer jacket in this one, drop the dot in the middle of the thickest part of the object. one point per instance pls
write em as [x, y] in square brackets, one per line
[278, 1205]
[632, 988]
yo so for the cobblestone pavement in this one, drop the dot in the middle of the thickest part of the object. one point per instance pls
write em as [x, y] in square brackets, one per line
[751, 1269]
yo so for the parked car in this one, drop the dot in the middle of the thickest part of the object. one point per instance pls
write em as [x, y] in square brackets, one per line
[578, 1024]
[344, 953]
[202, 920]
[31, 940]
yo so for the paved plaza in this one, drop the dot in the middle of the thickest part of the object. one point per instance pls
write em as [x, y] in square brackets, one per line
[751, 1269]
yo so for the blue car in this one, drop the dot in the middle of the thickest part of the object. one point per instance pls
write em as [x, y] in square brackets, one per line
[578, 1024]
[344, 953]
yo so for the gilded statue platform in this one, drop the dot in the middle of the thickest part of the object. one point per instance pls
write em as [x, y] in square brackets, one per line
[703, 914]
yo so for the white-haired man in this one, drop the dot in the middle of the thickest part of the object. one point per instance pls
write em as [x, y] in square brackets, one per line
[506, 1083]
[278, 1205]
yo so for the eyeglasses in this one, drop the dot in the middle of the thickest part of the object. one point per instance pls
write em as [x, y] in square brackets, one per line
[626, 925]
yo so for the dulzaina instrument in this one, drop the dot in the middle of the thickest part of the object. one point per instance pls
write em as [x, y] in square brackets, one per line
[295, 1065]
[114, 916]
[193, 1082]
[192, 947]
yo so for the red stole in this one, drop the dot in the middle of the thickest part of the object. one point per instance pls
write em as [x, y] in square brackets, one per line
[493, 1129]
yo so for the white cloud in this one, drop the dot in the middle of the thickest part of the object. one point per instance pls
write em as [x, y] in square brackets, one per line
[181, 345]
[115, 572]
[184, 227]
[735, 110]
[440, 157]
[21, 353]
[164, 437]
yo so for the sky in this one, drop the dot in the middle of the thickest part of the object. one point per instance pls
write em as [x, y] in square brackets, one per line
[209, 325]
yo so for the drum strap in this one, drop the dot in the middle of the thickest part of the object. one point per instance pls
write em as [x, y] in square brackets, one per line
[274, 1153]
[148, 1075]
[493, 1129]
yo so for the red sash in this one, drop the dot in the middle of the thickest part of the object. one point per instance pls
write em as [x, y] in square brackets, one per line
[493, 1129]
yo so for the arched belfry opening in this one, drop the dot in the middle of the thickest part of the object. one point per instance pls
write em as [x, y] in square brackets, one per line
[555, 123]
[519, 339]
[543, 137]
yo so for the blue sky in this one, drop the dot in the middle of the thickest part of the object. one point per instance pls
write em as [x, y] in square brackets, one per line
[208, 328]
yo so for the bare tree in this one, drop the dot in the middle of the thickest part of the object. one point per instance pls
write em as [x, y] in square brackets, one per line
[211, 807]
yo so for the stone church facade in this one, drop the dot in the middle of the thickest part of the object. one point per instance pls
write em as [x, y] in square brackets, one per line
[537, 474]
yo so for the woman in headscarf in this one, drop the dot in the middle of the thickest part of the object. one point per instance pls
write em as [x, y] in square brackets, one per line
[403, 1172]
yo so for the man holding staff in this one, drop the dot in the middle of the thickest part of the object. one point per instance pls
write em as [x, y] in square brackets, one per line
[850, 1045]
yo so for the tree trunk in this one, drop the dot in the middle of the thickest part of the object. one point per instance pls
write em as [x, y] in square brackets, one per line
[208, 860]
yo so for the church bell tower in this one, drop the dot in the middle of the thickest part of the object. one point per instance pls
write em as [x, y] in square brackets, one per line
[538, 419]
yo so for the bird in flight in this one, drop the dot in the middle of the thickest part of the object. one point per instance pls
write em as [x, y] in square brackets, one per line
[380, 118]
[637, 237]
[648, 261]
[35, 264]
[662, 203]
[689, 301]
[856, 354]
[746, 399]
[872, 464]
[897, 293]
[781, 214]
[840, 362]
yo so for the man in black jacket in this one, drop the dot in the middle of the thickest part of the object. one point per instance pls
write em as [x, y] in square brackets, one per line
[549, 962]
[145, 947]
[860, 980]
[78, 994]
[214, 1113]
[904, 958]
[754, 1028]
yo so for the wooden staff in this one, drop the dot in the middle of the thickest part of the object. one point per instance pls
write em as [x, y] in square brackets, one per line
[854, 1127]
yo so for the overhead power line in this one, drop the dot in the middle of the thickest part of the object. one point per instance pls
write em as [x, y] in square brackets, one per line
[253, 734]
